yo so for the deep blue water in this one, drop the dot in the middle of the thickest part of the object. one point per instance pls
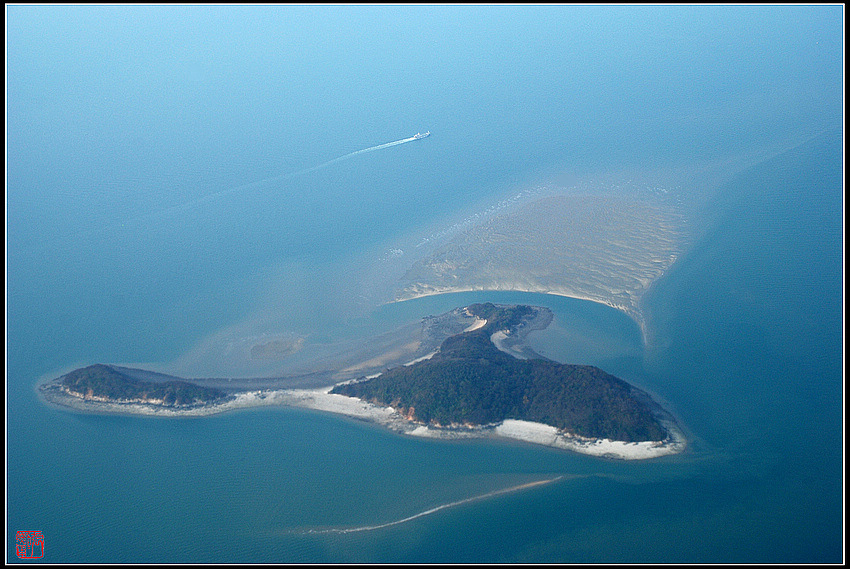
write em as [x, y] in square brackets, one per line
[148, 207]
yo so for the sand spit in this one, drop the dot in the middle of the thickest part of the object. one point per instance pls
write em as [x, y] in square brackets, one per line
[603, 247]
[430, 511]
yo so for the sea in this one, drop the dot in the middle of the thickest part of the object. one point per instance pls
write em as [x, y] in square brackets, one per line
[180, 176]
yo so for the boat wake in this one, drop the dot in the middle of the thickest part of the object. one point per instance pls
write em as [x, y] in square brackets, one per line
[417, 136]
[433, 510]
[283, 177]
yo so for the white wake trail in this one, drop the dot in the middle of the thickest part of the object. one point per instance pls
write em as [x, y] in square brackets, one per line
[265, 181]
[352, 155]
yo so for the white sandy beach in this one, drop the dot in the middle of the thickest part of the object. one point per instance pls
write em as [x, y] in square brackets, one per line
[548, 435]
[323, 400]
[526, 431]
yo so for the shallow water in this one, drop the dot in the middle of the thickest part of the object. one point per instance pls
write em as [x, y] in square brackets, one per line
[122, 124]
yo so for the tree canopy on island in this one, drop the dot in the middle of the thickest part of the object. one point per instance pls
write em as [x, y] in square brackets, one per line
[104, 381]
[471, 381]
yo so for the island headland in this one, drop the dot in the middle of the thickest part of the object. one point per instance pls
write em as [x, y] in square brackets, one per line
[481, 381]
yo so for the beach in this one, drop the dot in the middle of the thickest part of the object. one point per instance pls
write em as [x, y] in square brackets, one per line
[321, 399]
[324, 401]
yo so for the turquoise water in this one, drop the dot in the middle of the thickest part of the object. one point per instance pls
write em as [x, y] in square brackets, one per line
[253, 485]
[250, 485]
[121, 125]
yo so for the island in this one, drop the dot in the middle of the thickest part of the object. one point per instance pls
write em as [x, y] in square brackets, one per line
[109, 384]
[470, 381]
[477, 379]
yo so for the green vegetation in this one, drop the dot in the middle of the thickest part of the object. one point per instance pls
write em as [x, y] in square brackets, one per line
[102, 381]
[500, 317]
[471, 381]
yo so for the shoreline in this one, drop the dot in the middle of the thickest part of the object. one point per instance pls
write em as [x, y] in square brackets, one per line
[320, 399]
[632, 310]
[324, 401]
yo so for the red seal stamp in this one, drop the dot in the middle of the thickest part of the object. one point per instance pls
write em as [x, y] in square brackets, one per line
[29, 544]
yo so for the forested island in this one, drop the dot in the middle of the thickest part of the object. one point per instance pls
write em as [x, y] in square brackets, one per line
[104, 383]
[470, 381]
[471, 375]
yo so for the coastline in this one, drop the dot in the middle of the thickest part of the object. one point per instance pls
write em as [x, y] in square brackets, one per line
[630, 309]
[620, 244]
[320, 399]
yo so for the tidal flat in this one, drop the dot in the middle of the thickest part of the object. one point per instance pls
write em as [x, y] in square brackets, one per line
[607, 247]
